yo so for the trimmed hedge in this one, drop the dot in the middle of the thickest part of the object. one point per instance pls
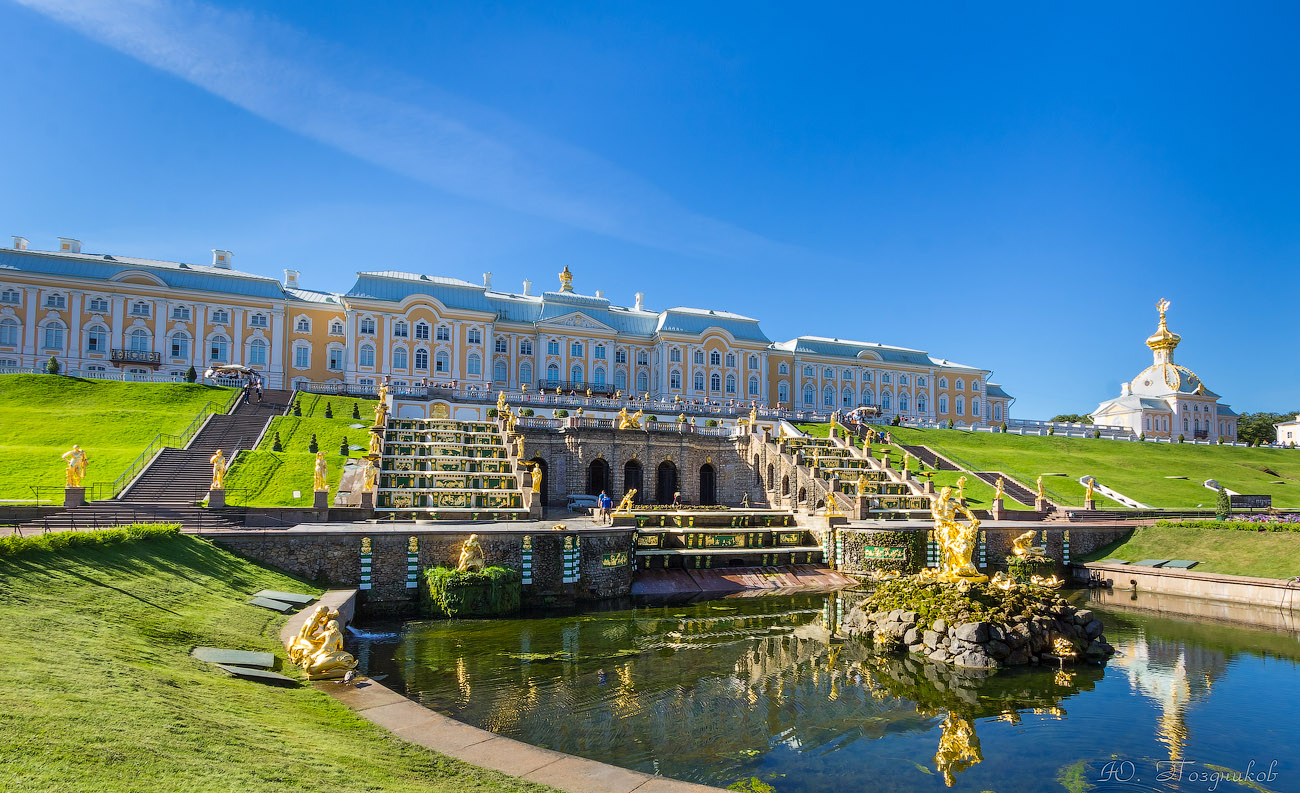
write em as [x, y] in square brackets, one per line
[1231, 525]
[14, 545]
[481, 593]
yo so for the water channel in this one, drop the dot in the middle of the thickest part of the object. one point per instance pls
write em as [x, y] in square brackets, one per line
[767, 689]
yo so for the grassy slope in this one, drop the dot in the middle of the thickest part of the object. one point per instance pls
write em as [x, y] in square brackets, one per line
[100, 692]
[267, 479]
[41, 416]
[1137, 470]
[1227, 551]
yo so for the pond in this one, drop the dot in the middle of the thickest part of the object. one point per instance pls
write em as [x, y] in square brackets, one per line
[765, 691]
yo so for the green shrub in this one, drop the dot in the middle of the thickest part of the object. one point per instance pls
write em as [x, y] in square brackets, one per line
[492, 413]
[312, 446]
[527, 412]
[1230, 525]
[329, 410]
[356, 410]
[561, 413]
[12, 545]
[1180, 437]
[484, 593]
[655, 419]
[711, 423]
[1002, 427]
[1223, 504]
[191, 375]
[52, 365]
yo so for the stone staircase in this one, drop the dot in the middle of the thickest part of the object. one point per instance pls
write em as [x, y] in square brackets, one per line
[1010, 487]
[184, 475]
[106, 514]
[929, 456]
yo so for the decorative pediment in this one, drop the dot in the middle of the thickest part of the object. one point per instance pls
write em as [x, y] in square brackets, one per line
[577, 319]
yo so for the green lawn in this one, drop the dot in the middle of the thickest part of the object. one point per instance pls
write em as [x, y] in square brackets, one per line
[265, 478]
[41, 416]
[1227, 551]
[100, 692]
[1138, 470]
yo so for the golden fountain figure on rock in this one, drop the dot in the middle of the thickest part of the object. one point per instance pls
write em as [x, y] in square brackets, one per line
[77, 462]
[1021, 547]
[957, 541]
[471, 555]
[318, 647]
[536, 477]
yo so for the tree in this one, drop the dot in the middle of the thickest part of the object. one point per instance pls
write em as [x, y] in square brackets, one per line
[1223, 505]
[52, 365]
[313, 447]
[1253, 428]
[1072, 418]
[191, 375]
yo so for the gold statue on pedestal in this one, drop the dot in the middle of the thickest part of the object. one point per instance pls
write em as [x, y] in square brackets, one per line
[566, 280]
[961, 488]
[956, 541]
[959, 748]
[77, 462]
[537, 477]
[625, 506]
[318, 647]
[1087, 495]
[501, 401]
[218, 461]
[862, 484]
[376, 443]
[369, 474]
[381, 413]
[519, 447]
[1041, 495]
[997, 494]
[320, 474]
[471, 555]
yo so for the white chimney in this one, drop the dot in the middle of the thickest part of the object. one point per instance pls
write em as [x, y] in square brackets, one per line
[221, 259]
[640, 299]
[291, 278]
[528, 287]
[68, 245]
[1125, 389]
[600, 293]
[20, 243]
[487, 281]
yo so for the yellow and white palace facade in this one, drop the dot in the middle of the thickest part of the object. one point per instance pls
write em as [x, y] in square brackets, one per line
[104, 313]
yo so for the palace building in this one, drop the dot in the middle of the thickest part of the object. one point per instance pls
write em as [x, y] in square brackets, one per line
[1166, 400]
[102, 313]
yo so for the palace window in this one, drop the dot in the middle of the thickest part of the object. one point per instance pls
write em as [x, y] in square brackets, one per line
[219, 349]
[698, 357]
[960, 385]
[997, 411]
[575, 374]
[902, 379]
[367, 325]
[441, 361]
[943, 383]
[97, 304]
[975, 407]
[336, 328]
[474, 365]
[599, 352]
[674, 380]
[828, 397]
[731, 360]
[642, 359]
[902, 403]
[54, 335]
[96, 338]
[846, 397]
[221, 316]
[731, 384]
[257, 353]
[828, 373]
[643, 382]
[886, 401]
[552, 373]
[499, 372]
[809, 395]
[302, 325]
[400, 358]
[675, 355]
[257, 321]
[181, 313]
[753, 386]
[867, 377]
[961, 406]
[884, 378]
[620, 380]
[975, 385]
[783, 391]
[526, 347]
[867, 397]
[11, 296]
[401, 330]
[848, 374]
[598, 377]
[715, 383]
[783, 369]
[422, 361]
[753, 362]
[525, 372]
[443, 333]
[474, 336]
[575, 349]
[620, 356]
[920, 403]
[55, 301]
[139, 340]
[365, 357]
[302, 357]
[807, 371]
[501, 344]
[698, 381]
[552, 347]
[920, 383]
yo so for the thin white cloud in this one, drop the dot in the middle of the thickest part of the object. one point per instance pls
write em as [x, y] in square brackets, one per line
[304, 86]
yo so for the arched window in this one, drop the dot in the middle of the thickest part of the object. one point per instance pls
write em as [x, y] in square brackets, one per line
[975, 385]
[367, 356]
[422, 361]
[139, 309]
[920, 382]
[902, 379]
[675, 355]
[526, 372]
[96, 337]
[961, 406]
[366, 325]
[715, 383]
[442, 361]
[575, 374]
[902, 403]
[828, 373]
[674, 380]
[698, 357]
[9, 333]
[598, 376]
[974, 407]
[54, 335]
[867, 377]
[753, 386]
[783, 369]
[731, 359]
[960, 385]
[620, 380]
[499, 371]
[753, 362]
[867, 397]
[886, 402]
[920, 403]
[809, 395]
[336, 328]
[643, 382]
[474, 365]
[828, 396]
[257, 320]
[846, 397]
[731, 384]
[699, 381]
[257, 353]
[884, 378]
[997, 411]
[443, 332]
[138, 340]
[783, 391]
[943, 382]
[552, 373]
[400, 330]
[219, 349]
[399, 358]
[642, 359]
[575, 351]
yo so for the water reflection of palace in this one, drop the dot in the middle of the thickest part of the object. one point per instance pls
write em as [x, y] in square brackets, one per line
[1173, 674]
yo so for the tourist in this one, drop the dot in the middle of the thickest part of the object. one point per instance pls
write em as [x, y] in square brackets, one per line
[606, 505]
[677, 500]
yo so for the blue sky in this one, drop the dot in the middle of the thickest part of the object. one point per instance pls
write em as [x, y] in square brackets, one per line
[1011, 189]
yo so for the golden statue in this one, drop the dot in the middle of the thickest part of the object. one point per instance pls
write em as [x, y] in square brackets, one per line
[77, 462]
[1041, 496]
[681, 418]
[501, 401]
[519, 447]
[959, 748]
[471, 555]
[961, 488]
[753, 416]
[537, 477]
[1021, 547]
[218, 461]
[623, 418]
[566, 280]
[318, 647]
[368, 476]
[320, 474]
[382, 394]
[625, 506]
[997, 494]
[956, 541]
[381, 413]
[588, 392]
[862, 484]
[377, 443]
[1087, 495]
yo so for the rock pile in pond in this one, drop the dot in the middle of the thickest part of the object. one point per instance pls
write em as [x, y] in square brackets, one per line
[980, 627]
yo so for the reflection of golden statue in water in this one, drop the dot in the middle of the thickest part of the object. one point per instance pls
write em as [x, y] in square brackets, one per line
[959, 748]
[956, 541]
[77, 462]
[1020, 546]
[625, 506]
[471, 555]
[318, 647]
[320, 474]
[218, 461]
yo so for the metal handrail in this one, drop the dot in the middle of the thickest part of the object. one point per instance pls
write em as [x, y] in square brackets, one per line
[165, 441]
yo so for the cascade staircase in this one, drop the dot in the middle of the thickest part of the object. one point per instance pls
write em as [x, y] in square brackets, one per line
[1010, 487]
[106, 514]
[929, 456]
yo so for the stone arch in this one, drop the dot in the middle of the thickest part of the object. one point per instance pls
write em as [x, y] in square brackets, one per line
[665, 482]
[708, 490]
[538, 461]
[771, 476]
[633, 479]
[785, 485]
[803, 495]
[598, 476]
[758, 471]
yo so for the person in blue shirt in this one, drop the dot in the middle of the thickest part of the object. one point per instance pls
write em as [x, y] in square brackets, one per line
[606, 505]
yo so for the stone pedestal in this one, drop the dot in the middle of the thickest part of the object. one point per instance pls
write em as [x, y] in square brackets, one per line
[216, 499]
[320, 499]
[368, 500]
[1040, 505]
[1090, 504]
[74, 496]
[997, 509]
[863, 507]
[929, 486]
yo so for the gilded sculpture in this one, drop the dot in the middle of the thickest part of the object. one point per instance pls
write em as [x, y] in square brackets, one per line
[1041, 495]
[1087, 496]
[957, 541]
[218, 461]
[997, 494]
[318, 647]
[368, 476]
[959, 748]
[471, 555]
[862, 484]
[1021, 547]
[77, 462]
[376, 443]
[519, 447]
[501, 401]
[566, 280]
[961, 488]
[320, 474]
[625, 506]
[537, 477]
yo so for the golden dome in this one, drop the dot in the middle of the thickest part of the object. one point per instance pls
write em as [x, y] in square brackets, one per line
[1163, 338]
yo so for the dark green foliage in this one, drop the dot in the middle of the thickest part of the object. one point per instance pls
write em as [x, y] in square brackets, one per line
[329, 410]
[1223, 504]
[492, 413]
[1022, 569]
[52, 365]
[485, 593]
[1002, 427]
[313, 447]
[1072, 418]
[711, 423]
[527, 412]
[1096, 433]
[12, 545]
[655, 419]
[950, 424]
[1231, 525]
[297, 408]
[191, 375]
[356, 410]
[1180, 437]
[343, 447]
[898, 422]
[561, 413]
[1254, 428]
[276, 446]
[932, 601]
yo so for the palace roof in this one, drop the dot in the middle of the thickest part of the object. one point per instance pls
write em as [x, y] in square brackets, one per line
[177, 275]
